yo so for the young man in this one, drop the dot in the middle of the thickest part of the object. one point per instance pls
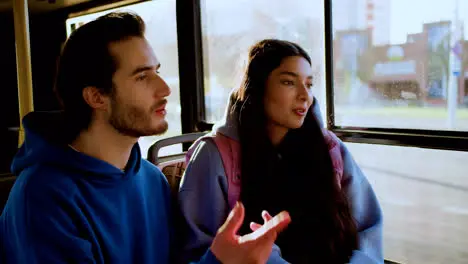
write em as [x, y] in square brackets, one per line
[84, 194]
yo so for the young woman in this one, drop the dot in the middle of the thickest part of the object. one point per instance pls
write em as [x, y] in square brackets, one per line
[286, 162]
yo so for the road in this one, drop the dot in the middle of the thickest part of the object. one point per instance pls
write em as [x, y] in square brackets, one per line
[424, 197]
[428, 120]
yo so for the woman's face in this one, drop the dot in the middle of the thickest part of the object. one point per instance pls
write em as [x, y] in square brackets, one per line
[288, 94]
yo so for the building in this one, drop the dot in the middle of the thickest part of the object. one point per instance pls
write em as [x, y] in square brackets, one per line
[361, 15]
[416, 70]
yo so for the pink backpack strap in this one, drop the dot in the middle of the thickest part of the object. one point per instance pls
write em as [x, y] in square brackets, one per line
[194, 146]
[230, 152]
[333, 143]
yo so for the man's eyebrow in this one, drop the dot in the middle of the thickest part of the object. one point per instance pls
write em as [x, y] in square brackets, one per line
[145, 68]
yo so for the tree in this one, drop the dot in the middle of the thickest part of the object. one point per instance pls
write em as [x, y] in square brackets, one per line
[439, 61]
[366, 63]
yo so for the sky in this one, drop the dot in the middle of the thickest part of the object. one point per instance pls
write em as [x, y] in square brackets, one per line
[408, 16]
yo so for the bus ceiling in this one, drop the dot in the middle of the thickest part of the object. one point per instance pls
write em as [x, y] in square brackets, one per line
[40, 6]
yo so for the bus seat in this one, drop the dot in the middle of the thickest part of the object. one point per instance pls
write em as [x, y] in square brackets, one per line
[172, 166]
[6, 182]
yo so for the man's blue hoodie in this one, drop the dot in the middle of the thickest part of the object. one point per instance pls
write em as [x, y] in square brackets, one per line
[68, 207]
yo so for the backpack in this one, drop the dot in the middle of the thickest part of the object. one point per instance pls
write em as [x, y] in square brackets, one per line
[229, 151]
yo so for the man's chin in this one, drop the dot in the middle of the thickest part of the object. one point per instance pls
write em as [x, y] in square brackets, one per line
[160, 129]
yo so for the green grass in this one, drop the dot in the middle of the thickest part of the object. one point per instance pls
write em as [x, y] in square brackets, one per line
[410, 112]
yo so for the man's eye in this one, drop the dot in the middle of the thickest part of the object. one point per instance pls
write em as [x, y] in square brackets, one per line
[141, 77]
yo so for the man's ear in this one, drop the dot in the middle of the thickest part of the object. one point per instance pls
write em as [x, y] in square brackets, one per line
[94, 98]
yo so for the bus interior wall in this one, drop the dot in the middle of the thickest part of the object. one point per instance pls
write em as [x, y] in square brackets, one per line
[47, 34]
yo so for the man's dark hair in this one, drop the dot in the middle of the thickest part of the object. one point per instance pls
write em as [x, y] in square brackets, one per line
[86, 61]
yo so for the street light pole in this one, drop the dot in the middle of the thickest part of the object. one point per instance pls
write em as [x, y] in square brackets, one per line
[455, 71]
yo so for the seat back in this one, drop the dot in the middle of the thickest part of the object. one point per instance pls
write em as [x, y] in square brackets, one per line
[172, 166]
[6, 183]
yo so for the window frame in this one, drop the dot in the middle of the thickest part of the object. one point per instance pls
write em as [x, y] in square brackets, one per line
[433, 139]
[191, 75]
[192, 96]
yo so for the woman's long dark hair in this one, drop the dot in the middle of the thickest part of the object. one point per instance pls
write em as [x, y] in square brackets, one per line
[296, 176]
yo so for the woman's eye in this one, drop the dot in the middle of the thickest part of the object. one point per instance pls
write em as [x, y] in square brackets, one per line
[286, 82]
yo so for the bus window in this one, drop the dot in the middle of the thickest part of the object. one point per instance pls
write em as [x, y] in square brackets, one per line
[397, 65]
[389, 71]
[229, 28]
[161, 32]
[423, 194]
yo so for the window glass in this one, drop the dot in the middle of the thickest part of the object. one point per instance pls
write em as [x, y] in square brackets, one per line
[400, 64]
[423, 195]
[229, 28]
[161, 32]
[422, 192]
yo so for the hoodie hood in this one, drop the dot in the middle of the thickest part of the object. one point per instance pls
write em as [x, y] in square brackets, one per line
[228, 125]
[46, 142]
